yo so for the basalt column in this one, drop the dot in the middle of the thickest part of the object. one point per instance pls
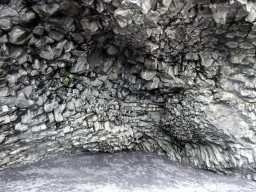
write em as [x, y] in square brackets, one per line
[175, 77]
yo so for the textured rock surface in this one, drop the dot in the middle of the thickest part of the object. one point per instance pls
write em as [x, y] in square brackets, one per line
[173, 77]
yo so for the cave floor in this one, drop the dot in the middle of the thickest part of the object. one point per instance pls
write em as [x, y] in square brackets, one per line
[124, 171]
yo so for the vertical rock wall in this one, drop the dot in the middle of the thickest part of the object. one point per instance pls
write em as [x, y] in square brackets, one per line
[174, 77]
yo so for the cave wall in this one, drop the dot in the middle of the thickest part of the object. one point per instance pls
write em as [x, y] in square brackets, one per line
[174, 77]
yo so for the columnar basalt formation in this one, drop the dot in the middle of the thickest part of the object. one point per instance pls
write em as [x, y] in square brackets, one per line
[176, 77]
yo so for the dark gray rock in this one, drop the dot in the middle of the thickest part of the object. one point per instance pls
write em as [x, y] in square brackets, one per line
[11, 101]
[123, 17]
[167, 76]
[80, 66]
[95, 58]
[5, 24]
[150, 63]
[46, 10]
[232, 44]
[38, 30]
[77, 37]
[18, 36]
[245, 45]
[90, 26]
[56, 35]
[148, 74]
[47, 53]
[88, 2]
[111, 50]
[6, 11]
[27, 16]
[2, 138]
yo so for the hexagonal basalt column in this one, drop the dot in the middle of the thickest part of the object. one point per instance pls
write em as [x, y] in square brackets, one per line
[169, 76]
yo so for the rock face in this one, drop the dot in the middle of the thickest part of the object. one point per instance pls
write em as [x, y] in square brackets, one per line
[169, 76]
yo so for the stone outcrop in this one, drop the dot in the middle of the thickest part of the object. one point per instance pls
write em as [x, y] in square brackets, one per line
[175, 77]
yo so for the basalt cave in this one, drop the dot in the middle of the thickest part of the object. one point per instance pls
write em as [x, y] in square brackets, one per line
[173, 77]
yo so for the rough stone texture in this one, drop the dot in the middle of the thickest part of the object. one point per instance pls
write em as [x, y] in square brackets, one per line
[174, 77]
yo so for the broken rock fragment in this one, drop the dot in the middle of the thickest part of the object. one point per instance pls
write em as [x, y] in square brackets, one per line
[56, 35]
[96, 57]
[80, 66]
[6, 11]
[5, 24]
[148, 74]
[123, 17]
[46, 10]
[88, 25]
[111, 50]
[47, 53]
[19, 36]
